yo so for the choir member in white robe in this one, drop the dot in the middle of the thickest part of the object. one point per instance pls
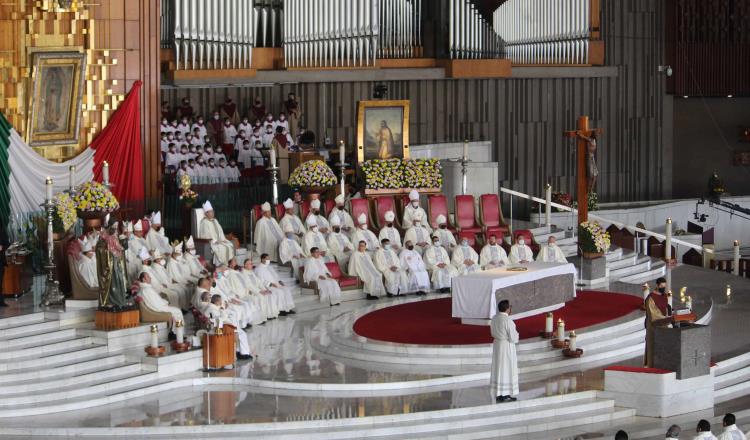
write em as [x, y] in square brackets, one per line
[465, 259]
[411, 209]
[179, 269]
[361, 265]
[504, 373]
[153, 301]
[388, 263]
[290, 251]
[440, 267]
[493, 255]
[291, 220]
[345, 220]
[323, 226]
[447, 240]
[268, 234]
[366, 235]
[390, 233]
[316, 270]
[86, 264]
[419, 279]
[210, 229]
[418, 234]
[551, 252]
[520, 252]
[196, 267]
[179, 295]
[155, 239]
[315, 239]
[268, 274]
[339, 244]
[216, 311]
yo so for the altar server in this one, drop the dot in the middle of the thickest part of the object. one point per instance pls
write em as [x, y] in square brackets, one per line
[504, 373]
[87, 264]
[465, 259]
[551, 252]
[520, 252]
[268, 234]
[339, 244]
[493, 255]
[290, 251]
[155, 239]
[210, 229]
[323, 226]
[153, 301]
[447, 240]
[361, 265]
[390, 233]
[316, 270]
[291, 220]
[315, 239]
[346, 221]
[411, 209]
[418, 234]
[439, 265]
[268, 274]
[388, 263]
[216, 310]
[419, 279]
[364, 234]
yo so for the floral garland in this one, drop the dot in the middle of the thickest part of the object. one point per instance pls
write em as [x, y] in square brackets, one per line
[593, 238]
[423, 173]
[93, 196]
[65, 215]
[397, 173]
[383, 174]
[313, 173]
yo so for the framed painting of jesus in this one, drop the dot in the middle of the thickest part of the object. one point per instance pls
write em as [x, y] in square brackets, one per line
[383, 130]
[57, 90]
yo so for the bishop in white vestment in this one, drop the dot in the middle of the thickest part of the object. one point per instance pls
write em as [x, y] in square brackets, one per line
[316, 270]
[364, 234]
[290, 251]
[551, 253]
[390, 233]
[196, 267]
[134, 235]
[465, 259]
[493, 255]
[339, 244]
[179, 294]
[155, 239]
[153, 301]
[268, 234]
[178, 268]
[504, 373]
[210, 229]
[520, 252]
[290, 220]
[345, 220]
[323, 226]
[361, 265]
[447, 240]
[411, 210]
[418, 234]
[439, 265]
[281, 291]
[419, 278]
[315, 239]
[388, 263]
[86, 264]
[254, 291]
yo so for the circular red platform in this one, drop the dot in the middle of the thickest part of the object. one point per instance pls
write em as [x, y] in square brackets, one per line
[430, 323]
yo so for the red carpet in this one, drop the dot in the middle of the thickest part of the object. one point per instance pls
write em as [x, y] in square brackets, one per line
[430, 322]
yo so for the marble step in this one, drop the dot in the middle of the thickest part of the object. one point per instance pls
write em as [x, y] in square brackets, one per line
[103, 371]
[629, 259]
[20, 320]
[20, 342]
[29, 328]
[614, 254]
[641, 265]
[657, 269]
[37, 349]
[731, 364]
[52, 359]
[731, 378]
[90, 361]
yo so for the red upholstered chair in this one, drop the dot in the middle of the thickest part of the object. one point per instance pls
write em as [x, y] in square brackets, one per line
[465, 216]
[384, 204]
[528, 237]
[146, 226]
[361, 206]
[346, 282]
[471, 237]
[402, 202]
[257, 214]
[437, 205]
[328, 206]
[491, 214]
[279, 211]
[305, 209]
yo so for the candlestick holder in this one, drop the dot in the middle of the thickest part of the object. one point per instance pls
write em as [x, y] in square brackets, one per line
[546, 335]
[52, 295]
[556, 343]
[567, 352]
[155, 351]
[342, 176]
[274, 170]
[464, 161]
[180, 348]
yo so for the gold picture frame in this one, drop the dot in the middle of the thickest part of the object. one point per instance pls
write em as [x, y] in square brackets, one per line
[57, 92]
[383, 130]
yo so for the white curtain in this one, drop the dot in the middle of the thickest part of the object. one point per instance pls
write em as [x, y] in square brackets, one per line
[29, 171]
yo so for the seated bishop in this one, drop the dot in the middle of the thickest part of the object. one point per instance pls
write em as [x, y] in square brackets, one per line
[339, 244]
[447, 240]
[134, 245]
[283, 293]
[412, 209]
[86, 264]
[323, 226]
[179, 269]
[210, 229]
[154, 302]
[465, 259]
[551, 252]
[520, 253]
[268, 234]
[290, 251]
[345, 220]
[439, 265]
[179, 294]
[412, 262]
[255, 291]
[390, 233]
[418, 234]
[147, 266]
[493, 255]
[191, 257]
[394, 274]
[155, 239]
[361, 265]
[315, 239]
[316, 271]
[290, 220]
[235, 298]
[364, 234]
[216, 310]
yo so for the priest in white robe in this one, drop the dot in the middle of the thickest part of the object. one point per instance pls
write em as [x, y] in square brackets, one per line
[191, 256]
[153, 301]
[210, 229]
[323, 226]
[504, 373]
[418, 234]
[155, 239]
[86, 264]
[339, 245]
[394, 274]
[179, 269]
[551, 252]
[447, 240]
[284, 294]
[216, 310]
[419, 278]
[254, 292]
[361, 265]
[521, 253]
[268, 234]
[290, 251]
[440, 267]
[290, 220]
[135, 244]
[178, 294]
[233, 295]
[390, 233]
[316, 270]
[411, 210]
[345, 220]
[315, 239]
[465, 259]
[493, 255]
[364, 234]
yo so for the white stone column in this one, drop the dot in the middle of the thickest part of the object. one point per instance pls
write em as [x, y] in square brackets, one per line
[548, 206]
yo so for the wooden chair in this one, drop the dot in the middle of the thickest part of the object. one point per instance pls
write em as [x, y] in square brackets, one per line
[437, 205]
[491, 215]
[528, 237]
[382, 205]
[465, 215]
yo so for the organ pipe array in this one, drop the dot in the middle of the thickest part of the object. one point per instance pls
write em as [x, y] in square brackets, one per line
[400, 28]
[544, 31]
[469, 35]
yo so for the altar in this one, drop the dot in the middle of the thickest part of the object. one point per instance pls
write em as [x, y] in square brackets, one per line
[531, 288]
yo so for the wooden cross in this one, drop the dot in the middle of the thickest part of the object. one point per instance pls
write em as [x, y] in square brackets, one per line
[582, 133]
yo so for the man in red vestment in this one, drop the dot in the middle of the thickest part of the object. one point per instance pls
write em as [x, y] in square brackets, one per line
[258, 109]
[229, 110]
[185, 110]
[658, 312]
[215, 129]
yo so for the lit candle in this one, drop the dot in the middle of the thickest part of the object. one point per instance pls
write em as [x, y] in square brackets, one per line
[180, 332]
[49, 188]
[669, 298]
[646, 291]
[466, 150]
[105, 173]
[272, 158]
[72, 177]
[154, 336]
[572, 338]
[560, 330]
[342, 153]
[549, 323]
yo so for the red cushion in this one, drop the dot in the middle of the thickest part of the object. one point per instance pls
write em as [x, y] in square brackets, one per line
[469, 236]
[525, 233]
[258, 211]
[490, 210]
[437, 205]
[644, 370]
[360, 206]
[334, 269]
[465, 213]
[329, 205]
[348, 281]
[279, 211]
[383, 205]
[305, 209]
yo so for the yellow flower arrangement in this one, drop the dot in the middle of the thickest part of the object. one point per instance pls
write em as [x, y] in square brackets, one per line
[95, 197]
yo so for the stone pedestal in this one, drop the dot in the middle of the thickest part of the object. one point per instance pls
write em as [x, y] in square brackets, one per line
[593, 269]
[685, 350]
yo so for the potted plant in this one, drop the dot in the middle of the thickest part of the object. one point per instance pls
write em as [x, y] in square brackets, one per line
[313, 176]
[593, 239]
[64, 215]
[93, 202]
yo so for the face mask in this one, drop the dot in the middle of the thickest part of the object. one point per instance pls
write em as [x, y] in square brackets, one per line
[363, 227]
[216, 117]
[415, 204]
[436, 243]
[219, 275]
[443, 226]
[464, 243]
[314, 228]
[266, 263]
[191, 251]
[662, 290]
[387, 247]
[162, 262]
[521, 242]
[417, 223]
[282, 117]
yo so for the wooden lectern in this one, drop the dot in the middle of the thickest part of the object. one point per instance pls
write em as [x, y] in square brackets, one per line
[218, 350]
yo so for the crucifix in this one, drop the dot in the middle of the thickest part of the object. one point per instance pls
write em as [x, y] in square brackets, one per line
[586, 170]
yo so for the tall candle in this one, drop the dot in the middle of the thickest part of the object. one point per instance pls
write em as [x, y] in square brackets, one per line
[646, 291]
[549, 323]
[48, 182]
[342, 152]
[669, 298]
[154, 336]
[466, 149]
[180, 332]
[272, 158]
[105, 173]
[572, 345]
[560, 330]
[72, 177]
